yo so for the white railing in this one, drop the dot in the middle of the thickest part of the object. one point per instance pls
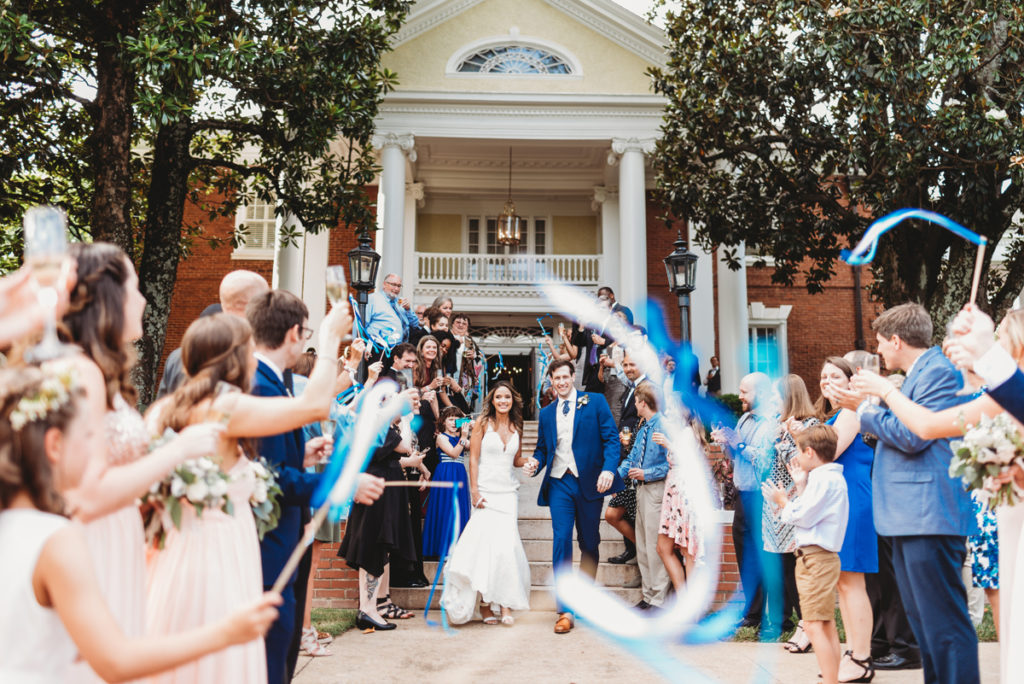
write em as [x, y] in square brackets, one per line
[511, 269]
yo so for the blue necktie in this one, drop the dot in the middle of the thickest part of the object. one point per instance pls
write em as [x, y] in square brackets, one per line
[565, 407]
[401, 318]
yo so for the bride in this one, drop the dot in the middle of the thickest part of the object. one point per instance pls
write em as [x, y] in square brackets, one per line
[489, 561]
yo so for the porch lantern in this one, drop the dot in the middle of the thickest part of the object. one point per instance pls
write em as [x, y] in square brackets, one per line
[510, 225]
[681, 269]
[362, 268]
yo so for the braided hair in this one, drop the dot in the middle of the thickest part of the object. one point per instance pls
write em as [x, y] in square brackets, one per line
[24, 466]
[95, 317]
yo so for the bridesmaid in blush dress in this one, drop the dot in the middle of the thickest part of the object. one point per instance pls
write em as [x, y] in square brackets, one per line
[211, 565]
[104, 318]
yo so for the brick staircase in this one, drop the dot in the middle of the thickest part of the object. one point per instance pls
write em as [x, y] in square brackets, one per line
[535, 531]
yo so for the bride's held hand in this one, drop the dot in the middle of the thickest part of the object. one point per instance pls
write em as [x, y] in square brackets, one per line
[478, 501]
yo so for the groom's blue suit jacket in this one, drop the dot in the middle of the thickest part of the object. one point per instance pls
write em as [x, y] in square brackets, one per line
[595, 446]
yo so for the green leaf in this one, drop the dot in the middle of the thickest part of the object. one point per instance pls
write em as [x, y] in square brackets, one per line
[174, 508]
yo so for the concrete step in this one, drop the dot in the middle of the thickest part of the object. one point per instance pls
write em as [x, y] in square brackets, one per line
[541, 598]
[540, 549]
[541, 576]
[541, 529]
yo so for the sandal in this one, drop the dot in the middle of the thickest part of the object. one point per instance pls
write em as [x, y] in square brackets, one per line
[489, 618]
[390, 611]
[868, 668]
[799, 642]
[311, 646]
[324, 637]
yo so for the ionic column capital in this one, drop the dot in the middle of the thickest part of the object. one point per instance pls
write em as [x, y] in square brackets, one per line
[621, 146]
[406, 142]
[416, 193]
[601, 195]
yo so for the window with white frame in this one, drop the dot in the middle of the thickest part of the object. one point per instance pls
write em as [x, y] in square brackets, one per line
[514, 59]
[481, 237]
[256, 225]
[768, 346]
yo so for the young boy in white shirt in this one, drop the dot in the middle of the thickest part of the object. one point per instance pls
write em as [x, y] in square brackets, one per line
[818, 514]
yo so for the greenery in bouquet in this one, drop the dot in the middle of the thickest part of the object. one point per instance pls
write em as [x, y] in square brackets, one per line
[986, 450]
[199, 483]
[266, 508]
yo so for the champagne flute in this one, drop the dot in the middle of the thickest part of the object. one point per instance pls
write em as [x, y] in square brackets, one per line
[965, 388]
[46, 254]
[327, 427]
[873, 363]
[222, 406]
[337, 287]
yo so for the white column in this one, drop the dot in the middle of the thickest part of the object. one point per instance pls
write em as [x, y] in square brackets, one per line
[288, 255]
[632, 222]
[702, 304]
[314, 278]
[607, 202]
[391, 198]
[733, 322]
[414, 199]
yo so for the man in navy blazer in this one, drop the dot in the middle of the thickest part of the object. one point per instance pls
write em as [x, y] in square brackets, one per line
[278, 320]
[578, 445]
[927, 513]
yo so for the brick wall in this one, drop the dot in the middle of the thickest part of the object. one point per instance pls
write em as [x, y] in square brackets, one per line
[819, 325]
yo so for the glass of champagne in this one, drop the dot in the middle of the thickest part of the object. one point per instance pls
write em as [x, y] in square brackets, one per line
[222, 406]
[625, 433]
[337, 286]
[327, 427]
[965, 388]
[873, 363]
[46, 255]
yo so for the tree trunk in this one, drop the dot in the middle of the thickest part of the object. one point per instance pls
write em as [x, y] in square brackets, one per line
[158, 267]
[110, 142]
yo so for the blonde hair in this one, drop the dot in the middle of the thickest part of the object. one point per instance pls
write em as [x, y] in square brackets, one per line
[1013, 330]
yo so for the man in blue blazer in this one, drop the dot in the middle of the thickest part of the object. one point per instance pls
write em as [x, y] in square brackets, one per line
[278, 320]
[578, 445]
[927, 513]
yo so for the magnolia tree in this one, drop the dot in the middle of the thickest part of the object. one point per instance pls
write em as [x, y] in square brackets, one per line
[791, 124]
[122, 110]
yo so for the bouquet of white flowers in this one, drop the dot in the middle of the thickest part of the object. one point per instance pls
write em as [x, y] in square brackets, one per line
[264, 498]
[988, 449]
[199, 483]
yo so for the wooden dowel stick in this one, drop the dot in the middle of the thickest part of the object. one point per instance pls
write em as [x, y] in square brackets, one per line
[293, 560]
[978, 261]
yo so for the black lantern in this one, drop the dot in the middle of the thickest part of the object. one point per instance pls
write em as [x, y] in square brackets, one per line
[681, 269]
[362, 268]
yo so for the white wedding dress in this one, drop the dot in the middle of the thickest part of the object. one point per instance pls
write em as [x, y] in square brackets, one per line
[488, 563]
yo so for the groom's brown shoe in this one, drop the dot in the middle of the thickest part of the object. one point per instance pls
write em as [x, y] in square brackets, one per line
[564, 623]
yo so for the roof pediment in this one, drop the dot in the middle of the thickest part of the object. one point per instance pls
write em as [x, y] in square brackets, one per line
[604, 17]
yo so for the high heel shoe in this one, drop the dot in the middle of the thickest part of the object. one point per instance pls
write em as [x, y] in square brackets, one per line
[367, 623]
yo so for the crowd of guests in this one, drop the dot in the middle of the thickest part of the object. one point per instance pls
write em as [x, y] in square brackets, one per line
[847, 495]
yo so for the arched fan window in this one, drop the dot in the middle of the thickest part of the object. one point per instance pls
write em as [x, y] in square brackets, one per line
[514, 59]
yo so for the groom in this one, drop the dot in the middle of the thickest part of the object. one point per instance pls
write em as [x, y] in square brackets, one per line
[578, 443]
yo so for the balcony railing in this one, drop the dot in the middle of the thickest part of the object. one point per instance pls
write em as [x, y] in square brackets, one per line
[511, 269]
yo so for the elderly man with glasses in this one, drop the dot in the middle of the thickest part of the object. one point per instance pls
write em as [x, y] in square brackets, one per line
[388, 317]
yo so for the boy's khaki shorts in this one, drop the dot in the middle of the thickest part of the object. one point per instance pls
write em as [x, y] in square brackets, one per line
[817, 575]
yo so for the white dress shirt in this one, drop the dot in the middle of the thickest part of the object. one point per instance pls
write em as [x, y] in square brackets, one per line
[996, 366]
[564, 460]
[820, 514]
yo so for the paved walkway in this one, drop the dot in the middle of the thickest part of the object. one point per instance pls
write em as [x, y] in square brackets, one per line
[530, 652]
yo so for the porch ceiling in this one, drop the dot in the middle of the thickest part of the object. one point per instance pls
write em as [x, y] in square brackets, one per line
[540, 169]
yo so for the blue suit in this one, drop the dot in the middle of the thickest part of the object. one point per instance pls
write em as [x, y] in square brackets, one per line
[575, 501]
[928, 515]
[1010, 395]
[285, 452]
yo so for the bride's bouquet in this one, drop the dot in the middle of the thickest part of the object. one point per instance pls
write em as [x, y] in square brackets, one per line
[199, 483]
[988, 449]
[264, 498]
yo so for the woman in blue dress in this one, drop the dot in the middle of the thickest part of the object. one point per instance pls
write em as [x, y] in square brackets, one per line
[452, 449]
[859, 554]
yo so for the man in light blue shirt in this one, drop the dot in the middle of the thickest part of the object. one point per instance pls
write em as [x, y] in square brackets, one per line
[647, 464]
[388, 318]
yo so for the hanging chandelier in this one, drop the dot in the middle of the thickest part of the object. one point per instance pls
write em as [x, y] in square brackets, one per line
[510, 225]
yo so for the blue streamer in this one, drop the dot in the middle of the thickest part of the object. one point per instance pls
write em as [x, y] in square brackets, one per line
[456, 524]
[350, 393]
[540, 322]
[864, 252]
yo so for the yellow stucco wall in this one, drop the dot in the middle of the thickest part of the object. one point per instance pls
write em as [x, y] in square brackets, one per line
[574, 235]
[438, 233]
[607, 67]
